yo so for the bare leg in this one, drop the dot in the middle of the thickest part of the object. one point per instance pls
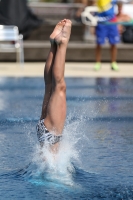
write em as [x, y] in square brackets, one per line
[113, 53]
[56, 111]
[114, 65]
[98, 53]
[48, 79]
[48, 68]
[98, 58]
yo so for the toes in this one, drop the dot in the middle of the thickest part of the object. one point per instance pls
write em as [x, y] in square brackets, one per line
[61, 23]
[69, 21]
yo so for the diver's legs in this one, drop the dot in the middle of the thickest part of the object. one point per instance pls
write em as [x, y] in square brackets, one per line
[56, 111]
[48, 68]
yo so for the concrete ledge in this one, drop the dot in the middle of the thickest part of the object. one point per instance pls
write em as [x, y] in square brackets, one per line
[77, 51]
[77, 69]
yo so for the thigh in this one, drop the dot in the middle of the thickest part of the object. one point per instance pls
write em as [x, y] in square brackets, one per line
[113, 34]
[56, 112]
[101, 33]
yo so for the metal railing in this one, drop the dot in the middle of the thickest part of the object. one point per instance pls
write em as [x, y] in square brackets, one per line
[12, 41]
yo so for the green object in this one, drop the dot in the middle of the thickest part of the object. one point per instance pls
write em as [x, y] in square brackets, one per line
[128, 23]
[114, 66]
[97, 66]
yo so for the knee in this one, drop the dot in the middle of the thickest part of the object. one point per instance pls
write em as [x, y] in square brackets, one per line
[48, 89]
[61, 86]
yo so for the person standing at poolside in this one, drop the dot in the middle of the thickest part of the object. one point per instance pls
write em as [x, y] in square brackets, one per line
[51, 123]
[103, 31]
[121, 17]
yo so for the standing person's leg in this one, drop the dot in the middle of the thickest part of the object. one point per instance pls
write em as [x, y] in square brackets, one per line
[98, 57]
[114, 38]
[98, 53]
[100, 36]
[113, 49]
[114, 65]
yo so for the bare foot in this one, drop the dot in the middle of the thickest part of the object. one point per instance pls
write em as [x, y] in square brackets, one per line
[58, 28]
[64, 35]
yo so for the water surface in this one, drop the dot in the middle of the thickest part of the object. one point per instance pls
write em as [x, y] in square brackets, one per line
[96, 157]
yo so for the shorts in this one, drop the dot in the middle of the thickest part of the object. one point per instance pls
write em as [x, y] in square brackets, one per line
[44, 136]
[104, 31]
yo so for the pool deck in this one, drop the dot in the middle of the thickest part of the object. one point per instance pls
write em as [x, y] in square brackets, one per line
[73, 69]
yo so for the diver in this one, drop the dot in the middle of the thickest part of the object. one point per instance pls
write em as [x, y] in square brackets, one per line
[51, 123]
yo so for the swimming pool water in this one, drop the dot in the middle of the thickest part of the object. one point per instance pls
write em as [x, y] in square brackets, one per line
[98, 149]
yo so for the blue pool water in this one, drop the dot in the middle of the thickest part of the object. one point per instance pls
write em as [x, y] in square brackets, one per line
[95, 160]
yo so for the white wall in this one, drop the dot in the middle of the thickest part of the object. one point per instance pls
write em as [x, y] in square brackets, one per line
[127, 9]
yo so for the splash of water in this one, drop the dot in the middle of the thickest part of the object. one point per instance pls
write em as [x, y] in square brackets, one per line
[58, 167]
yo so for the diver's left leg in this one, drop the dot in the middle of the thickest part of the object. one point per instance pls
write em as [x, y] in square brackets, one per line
[48, 79]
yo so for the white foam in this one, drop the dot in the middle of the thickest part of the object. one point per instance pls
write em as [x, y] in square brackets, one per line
[59, 166]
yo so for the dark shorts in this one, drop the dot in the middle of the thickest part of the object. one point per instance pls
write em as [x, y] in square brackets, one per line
[107, 31]
[44, 136]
